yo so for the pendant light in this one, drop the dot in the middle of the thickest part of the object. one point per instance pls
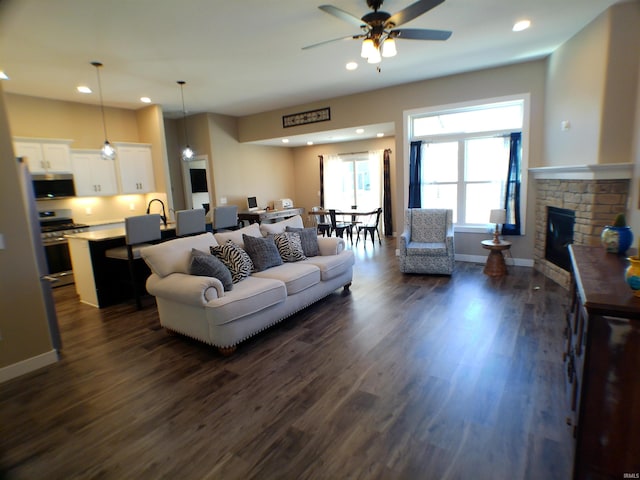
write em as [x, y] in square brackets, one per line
[187, 152]
[107, 150]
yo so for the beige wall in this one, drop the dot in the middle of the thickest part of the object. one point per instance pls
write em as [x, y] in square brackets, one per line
[23, 326]
[389, 105]
[592, 83]
[41, 117]
[307, 166]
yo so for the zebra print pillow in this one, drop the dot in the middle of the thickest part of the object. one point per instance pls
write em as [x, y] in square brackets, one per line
[290, 246]
[235, 259]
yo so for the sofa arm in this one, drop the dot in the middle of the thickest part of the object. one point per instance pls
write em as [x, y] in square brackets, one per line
[190, 289]
[403, 241]
[330, 245]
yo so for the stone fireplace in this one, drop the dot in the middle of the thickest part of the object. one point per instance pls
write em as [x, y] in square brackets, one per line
[594, 193]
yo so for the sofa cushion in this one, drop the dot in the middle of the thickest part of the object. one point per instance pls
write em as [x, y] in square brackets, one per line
[263, 252]
[236, 260]
[296, 276]
[332, 266]
[289, 246]
[309, 240]
[248, 297]
[174, 256]
[204, 264]
[279, 227]
[236, 235]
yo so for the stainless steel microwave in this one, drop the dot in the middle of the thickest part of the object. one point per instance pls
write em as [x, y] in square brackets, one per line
[53, 185]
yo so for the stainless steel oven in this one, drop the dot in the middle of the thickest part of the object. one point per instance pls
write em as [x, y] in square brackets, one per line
[54, 225]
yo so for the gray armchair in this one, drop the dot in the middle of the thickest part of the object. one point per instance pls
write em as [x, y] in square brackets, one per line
[426, 245]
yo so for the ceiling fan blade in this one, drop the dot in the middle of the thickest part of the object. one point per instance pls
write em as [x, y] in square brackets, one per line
[420, 34]
[342, 15]
[348, 37]
[412, 11]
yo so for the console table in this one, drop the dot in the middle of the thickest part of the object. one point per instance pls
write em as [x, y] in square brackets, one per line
[269, 215]
[602, 360]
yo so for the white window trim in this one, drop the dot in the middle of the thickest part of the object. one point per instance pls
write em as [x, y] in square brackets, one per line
[408, 115]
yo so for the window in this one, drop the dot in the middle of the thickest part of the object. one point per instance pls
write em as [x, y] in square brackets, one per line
[465, 157]
[353, 179]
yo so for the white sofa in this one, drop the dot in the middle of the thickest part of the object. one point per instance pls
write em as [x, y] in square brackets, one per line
[198, 306]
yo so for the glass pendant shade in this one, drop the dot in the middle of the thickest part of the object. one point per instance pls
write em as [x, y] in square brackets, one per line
[368, 48]
[389, 48]
[187, 153]
[108, 152]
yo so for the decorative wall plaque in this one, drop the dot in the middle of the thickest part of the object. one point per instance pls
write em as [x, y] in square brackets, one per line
[313, 116]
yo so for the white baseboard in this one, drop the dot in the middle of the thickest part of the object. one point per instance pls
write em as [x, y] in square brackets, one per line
[518, 262]
[28, 365]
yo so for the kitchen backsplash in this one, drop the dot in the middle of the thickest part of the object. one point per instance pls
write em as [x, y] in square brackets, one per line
[93, 210]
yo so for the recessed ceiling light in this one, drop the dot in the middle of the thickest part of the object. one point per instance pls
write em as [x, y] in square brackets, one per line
[521, 25]
[379, 134]
[285, 140]
[351, 66]
[309, 142]
[3, 76]
[360, 130]
[83, 89]
[145, 99]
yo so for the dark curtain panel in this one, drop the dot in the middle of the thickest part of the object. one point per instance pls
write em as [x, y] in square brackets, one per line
[386, 194]
[414, 174]
[321, 180]
[512, 194]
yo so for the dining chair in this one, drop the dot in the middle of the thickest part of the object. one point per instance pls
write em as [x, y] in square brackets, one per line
[190, 222]
[140, 231]
[340, 227]
[324, 228]
[371, 227]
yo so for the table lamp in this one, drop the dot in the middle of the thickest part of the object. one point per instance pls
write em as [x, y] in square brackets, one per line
[497, 216]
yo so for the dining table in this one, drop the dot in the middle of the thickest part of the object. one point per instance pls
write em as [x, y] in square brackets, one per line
[348, 216]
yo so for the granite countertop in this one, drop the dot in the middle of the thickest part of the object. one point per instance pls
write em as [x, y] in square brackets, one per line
[110, 233]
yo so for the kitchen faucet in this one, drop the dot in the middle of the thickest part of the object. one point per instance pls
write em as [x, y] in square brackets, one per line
[163, 217]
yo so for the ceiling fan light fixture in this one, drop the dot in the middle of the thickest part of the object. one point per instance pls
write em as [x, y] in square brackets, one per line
[374, 57]
[389, 48]
[368, 48]
[107, 150]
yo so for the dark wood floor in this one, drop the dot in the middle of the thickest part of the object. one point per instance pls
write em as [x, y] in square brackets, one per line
[406, 377]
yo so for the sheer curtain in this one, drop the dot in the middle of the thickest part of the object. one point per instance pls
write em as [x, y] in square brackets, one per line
[353, 179]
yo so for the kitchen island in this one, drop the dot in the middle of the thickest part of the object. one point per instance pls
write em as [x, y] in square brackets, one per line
[102, 281]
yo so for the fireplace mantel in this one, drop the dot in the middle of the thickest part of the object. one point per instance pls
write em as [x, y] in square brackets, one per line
[602, 171]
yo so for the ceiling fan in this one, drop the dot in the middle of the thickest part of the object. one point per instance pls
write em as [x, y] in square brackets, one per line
[379, 28]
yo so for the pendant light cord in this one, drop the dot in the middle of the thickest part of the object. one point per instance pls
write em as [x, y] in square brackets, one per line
[184, 112]
[104, 121]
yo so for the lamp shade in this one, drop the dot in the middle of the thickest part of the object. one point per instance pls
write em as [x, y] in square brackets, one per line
[389, 48]
[498, 216]
[368, 48]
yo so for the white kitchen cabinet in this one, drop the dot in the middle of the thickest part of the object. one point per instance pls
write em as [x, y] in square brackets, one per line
[93, 176]
[135, 168]
[44, 155]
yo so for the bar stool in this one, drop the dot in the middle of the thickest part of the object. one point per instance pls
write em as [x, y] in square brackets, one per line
[141, 231]
[190, 222]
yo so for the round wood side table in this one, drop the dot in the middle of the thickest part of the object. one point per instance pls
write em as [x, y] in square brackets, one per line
[495, 267]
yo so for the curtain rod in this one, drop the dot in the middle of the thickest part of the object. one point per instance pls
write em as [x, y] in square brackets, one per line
[352, 153]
